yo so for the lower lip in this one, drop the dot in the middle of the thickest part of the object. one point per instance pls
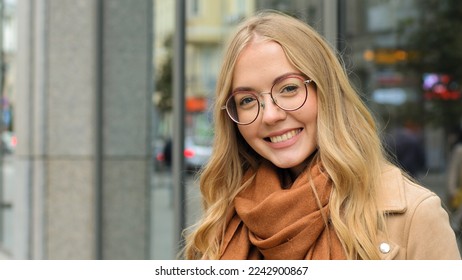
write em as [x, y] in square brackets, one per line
[285, 144]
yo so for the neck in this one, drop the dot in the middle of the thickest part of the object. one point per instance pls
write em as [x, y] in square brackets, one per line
[297, 170]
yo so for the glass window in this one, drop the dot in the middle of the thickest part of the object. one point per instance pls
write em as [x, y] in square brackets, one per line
[405, 60]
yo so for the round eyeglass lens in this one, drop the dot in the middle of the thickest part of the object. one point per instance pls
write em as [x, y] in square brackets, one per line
[243, 107]
[289, 93]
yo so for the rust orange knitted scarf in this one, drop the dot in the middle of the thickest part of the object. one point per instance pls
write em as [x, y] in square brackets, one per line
[270, 222]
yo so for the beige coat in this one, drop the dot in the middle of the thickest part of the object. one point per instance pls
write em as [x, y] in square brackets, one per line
[455, 170]
[418, 226]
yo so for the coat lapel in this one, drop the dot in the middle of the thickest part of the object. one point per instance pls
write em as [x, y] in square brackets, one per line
[390, 194]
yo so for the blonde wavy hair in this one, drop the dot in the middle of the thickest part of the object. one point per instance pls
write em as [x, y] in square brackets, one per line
[349, 146]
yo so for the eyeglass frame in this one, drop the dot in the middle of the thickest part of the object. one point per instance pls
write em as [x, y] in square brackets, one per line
[262, 103]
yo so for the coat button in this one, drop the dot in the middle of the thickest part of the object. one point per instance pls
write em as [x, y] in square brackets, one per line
[384, 248]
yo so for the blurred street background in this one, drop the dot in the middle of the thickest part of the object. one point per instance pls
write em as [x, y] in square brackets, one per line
[105, 109]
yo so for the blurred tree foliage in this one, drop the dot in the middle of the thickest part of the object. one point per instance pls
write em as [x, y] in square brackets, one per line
[165, 78]
[434, 42]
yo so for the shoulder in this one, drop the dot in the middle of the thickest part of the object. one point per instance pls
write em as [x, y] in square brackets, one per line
[417, 225]
[397, 193]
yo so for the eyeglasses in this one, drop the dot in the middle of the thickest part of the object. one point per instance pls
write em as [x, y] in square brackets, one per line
[288, 93]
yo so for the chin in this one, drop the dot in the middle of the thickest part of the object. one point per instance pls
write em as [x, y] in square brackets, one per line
[287, 165]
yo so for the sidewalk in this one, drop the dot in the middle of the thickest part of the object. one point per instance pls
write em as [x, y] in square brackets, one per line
[162, 219]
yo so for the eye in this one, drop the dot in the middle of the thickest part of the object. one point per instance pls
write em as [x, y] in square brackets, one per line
[245, 100]
[289, 89]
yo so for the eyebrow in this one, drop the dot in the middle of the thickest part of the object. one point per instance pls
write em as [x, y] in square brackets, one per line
[274, 81]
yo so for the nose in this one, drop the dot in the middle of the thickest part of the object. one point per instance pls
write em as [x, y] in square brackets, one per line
[271, 113]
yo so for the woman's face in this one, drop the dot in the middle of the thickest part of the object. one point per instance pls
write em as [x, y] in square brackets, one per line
[286, 138]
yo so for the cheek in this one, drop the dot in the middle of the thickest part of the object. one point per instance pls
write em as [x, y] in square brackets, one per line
[248, 131]
[308, 114]
[311, 109]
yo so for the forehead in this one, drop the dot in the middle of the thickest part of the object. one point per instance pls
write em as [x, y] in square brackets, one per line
[260, 63]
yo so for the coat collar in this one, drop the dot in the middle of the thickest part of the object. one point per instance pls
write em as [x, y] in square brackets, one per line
[390, 194]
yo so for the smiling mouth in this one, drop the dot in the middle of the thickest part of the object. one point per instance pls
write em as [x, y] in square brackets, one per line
[283, 137]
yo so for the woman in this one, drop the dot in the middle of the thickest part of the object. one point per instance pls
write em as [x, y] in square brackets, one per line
[298, 170]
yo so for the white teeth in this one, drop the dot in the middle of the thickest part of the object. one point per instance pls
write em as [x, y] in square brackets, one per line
[284, 137]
